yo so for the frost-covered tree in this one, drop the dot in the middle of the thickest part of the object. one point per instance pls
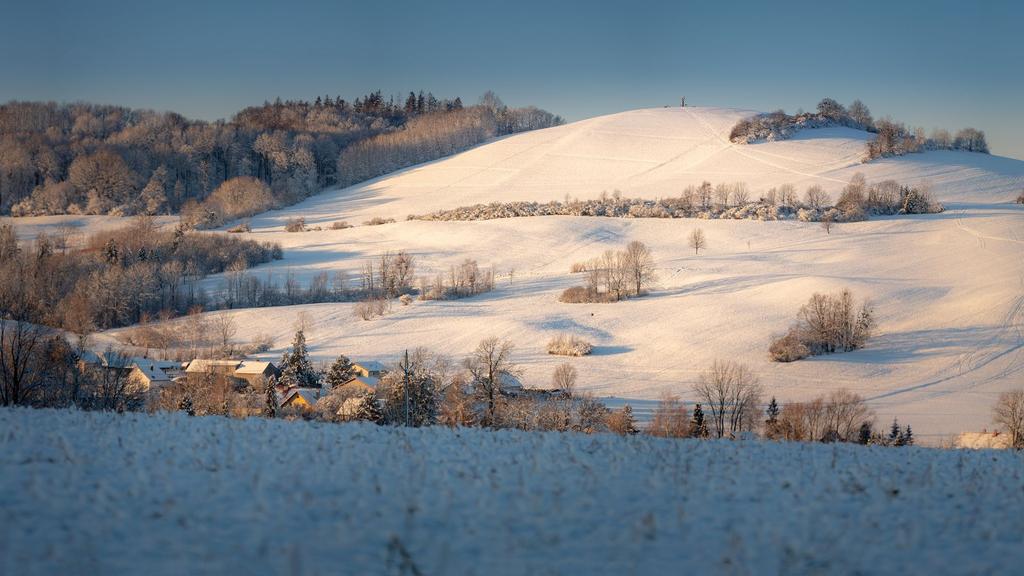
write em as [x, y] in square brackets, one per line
[340, 372]
[296, 369]
[185, 405]
[860, 114]
[270, 398]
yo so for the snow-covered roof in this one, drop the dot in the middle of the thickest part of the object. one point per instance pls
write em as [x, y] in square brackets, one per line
[310, 395]
[202, 365]
[152, 372]
[368, 381]
[252, 367]
[370, 365]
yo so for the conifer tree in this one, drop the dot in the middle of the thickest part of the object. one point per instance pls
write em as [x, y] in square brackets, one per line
[111, 252]
[340, 372]
[907, 439]
[185, 405]
[369, 409]
[698, 428]
[270, 398]
[865, 434]
[296, 369]
[628, 420]
[894, 433]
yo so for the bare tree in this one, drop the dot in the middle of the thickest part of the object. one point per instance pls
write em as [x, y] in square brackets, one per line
[670, 419]
[697, 241]
[21, 365]
[732, 393]
[225, 328]
[489, 366]
[640, 266]
[1009, 413]
[816, 197]
[845, 413]
[563, 379]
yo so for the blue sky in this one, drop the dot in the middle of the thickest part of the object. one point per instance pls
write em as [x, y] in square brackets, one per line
[931, 64]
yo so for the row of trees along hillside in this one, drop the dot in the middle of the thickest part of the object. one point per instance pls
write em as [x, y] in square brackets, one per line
[84, 158]
[892, 138]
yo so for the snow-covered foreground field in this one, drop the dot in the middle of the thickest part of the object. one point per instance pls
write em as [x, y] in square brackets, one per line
[948, 288]
[96, 493]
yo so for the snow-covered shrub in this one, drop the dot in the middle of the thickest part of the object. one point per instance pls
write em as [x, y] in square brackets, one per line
[1020, 199]
[295, 224]
[371, 308]
[405, 299]
[243, 226]
[788, 348]
[569, 345]
[377, 221]
[340, 225]
[827, 323]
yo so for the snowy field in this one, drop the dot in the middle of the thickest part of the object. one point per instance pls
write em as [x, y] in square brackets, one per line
[97, 493]
[948, 288]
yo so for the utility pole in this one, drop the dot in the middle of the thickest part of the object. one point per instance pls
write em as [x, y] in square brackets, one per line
[405, 383]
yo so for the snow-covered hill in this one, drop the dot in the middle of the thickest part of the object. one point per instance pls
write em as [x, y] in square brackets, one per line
[948, 288]
[102, 493]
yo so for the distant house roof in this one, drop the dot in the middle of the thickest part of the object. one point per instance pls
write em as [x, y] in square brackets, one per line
[294, 394]
[366, 382]
[152, 372]
[370, 366]
[253, 367]
[202, 365]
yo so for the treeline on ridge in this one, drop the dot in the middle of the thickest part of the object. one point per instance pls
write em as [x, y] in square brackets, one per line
[892, 138]
[82, 158]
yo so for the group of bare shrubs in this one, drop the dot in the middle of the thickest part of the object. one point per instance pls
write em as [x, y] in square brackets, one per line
[340, 225]
[462, 280]
[297, 224]
[569, 345]
[839, 416]
[614, 275]
[827, 323]
[378, 220]
[372, 307]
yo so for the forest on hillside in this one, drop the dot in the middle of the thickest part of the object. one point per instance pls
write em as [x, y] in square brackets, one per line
[82, 158]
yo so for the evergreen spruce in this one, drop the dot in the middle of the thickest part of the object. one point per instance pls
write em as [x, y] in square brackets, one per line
[369, 409]
[340, 372]
[864, 437]
[296, 369]
[630, 421]
[270, 398]
[773, 412]
[907, 439]
[111, 252]
[185, 405]
[894, 433]
[698, 428]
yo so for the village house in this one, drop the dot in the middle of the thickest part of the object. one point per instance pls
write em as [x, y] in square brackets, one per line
[255, 374]
[298, 398]
[369, 369]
